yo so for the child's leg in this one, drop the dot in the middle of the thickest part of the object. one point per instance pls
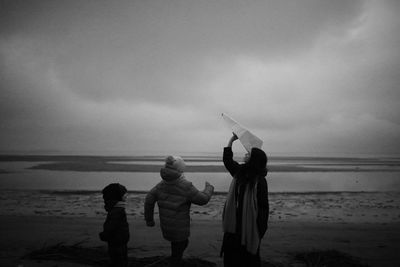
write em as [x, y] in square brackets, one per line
[118, 256]
[177, 249]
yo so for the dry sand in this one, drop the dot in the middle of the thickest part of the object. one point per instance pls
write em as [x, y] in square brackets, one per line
[372, 243]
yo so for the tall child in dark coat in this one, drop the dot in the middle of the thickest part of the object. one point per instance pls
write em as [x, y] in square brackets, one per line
[116, 228]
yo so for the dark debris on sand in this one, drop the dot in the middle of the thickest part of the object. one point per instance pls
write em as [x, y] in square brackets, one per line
[70, 253]
[97, 256]
[328, 258]
[160, 261]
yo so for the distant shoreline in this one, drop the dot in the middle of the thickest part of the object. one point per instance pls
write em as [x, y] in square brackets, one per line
[33, 158]
[222, 193]
[112, 167]
[153, 164]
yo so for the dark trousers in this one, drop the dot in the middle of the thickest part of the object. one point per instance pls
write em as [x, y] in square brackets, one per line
[236, 255]
[118, 256]
[177, 249]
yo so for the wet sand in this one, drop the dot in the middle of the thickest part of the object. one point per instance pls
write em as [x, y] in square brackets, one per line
[319, 207]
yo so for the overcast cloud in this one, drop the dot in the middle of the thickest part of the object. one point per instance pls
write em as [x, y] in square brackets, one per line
[134, 77]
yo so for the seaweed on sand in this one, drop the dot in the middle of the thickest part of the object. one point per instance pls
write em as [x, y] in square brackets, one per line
[97, 256]
[328, 258]
[75, 253]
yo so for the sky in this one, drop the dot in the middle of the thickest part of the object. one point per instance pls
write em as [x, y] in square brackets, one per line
[137, 77]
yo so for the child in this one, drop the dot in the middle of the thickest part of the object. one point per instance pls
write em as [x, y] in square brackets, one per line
[174, 195]
[116, 228]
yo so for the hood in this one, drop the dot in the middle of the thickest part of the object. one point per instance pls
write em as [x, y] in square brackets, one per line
[170, 175]
[114, 191]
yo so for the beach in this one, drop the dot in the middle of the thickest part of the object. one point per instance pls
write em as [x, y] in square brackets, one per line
[46, 201]
[373, 244]
[363, 225]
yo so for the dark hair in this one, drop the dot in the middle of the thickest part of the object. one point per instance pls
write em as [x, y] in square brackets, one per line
[114, 191]
[255, 167]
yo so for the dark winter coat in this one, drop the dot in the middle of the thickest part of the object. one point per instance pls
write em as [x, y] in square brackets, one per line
[115, 228]
[236, 169]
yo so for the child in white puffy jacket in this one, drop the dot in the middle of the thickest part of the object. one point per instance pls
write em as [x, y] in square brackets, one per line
[174, 195]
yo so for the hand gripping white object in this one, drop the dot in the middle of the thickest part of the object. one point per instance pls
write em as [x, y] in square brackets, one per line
[248, 139]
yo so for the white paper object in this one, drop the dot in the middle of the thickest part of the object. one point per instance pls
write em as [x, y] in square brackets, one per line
[248, 139]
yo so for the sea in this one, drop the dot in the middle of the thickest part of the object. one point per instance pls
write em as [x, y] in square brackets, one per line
[345, 189]
[286, 174]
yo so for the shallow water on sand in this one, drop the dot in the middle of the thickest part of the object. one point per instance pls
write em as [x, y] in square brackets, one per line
[142, 181]
[326, 196]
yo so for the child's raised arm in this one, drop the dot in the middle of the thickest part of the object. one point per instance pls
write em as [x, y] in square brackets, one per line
[201, 197]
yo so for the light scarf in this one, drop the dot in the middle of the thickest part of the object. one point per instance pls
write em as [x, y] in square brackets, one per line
[250, 237]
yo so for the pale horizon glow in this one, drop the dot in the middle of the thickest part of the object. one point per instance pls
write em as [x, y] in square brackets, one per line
[153, 77]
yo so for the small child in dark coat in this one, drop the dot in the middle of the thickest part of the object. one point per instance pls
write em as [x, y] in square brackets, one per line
[116, 228]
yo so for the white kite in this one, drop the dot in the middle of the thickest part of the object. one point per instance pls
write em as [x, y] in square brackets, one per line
[247, 139]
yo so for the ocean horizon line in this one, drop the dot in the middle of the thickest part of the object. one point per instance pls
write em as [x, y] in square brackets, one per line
[92, 191]
[189, 157]
[274, 154]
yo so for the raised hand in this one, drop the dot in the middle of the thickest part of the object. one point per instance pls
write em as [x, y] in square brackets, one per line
[233, 138]
[209, 185]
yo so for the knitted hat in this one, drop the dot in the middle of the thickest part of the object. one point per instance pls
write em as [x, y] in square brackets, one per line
[175, 163]
[114, 191]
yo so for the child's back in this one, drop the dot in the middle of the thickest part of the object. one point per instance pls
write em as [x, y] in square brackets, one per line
[174, 195]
